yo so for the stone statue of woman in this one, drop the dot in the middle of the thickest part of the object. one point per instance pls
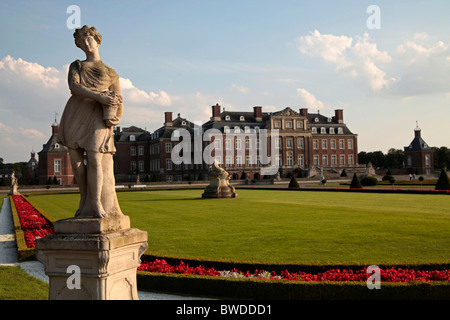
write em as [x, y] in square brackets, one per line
[86, 127]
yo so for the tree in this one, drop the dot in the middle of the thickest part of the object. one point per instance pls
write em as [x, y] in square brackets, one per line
[355, 184]
[293, 184]
[443, 182]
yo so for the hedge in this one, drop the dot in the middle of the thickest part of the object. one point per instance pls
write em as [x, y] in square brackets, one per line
[243, 288]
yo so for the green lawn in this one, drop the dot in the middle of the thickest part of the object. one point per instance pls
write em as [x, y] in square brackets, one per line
[284, 226]
[16, 284]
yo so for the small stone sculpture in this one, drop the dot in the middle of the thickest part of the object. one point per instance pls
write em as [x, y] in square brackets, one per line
[219, 186]
[13, 186]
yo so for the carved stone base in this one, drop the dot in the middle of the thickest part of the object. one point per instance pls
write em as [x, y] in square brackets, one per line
[106, 254]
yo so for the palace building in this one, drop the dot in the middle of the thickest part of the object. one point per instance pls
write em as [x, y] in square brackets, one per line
[419, 155]
[302, 142]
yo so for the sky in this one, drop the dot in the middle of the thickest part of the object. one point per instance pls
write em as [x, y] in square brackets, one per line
[388, 69]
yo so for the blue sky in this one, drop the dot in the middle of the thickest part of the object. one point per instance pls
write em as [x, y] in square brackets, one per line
[184, 56]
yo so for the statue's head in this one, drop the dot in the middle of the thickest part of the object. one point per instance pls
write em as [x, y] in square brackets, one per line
[84, 32]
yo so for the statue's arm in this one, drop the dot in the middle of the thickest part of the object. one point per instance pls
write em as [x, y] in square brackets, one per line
[76, 88]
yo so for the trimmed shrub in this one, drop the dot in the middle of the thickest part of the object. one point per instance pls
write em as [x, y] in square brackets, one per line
[443, 182]
[343, 174]
[356, 184]
[293, 184]
[369, 181]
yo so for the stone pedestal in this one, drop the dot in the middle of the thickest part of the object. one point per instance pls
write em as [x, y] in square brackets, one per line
[106, 253]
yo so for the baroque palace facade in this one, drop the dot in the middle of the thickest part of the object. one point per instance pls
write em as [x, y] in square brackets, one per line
[308, 143]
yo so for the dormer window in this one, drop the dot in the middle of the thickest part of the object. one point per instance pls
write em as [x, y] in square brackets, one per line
[340, 131]
[183, 123]
[316, 119]
[227, 118]
[247, 129]
[56, 145]
[226, 129]
[329, 119]
[242, 118]
[314, 130]
[132, 137]
[323, 130]
[237, 129]
[331, 130]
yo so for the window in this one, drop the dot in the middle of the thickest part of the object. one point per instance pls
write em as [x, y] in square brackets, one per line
[247, 144]
[278, 160]
[132, 137]
[316, 119]
[350, 159]
[350, 143]
[227, 118]
[228, 161]
[132, 151]
[141, 166]
[290, 160]
[168, 164]
[178, 178]
[288, 124]
[289, 143]
[248, 161]
[427, 160]
[301, 161]
[314, 130]
[341, 144]
[183, 123]
[257, 144]
[56, 145]
[227, 144]
[238, 144]
[237, 129]
[141, 150]
[241, 118]
[133, 166]
[217, 144]
[324, 144]
[333, 160]
[333, 144]
[331, 130]
[277, 124]
[315, 144]
[57, 165]
[247, 129]
[342, 160]
[239, 161]
[409, 161]
[316, 160]
[278, 143]
[324, 160]
[299, 124]
[226, 129]
[256, 129]
[169, 178]
[323, 130]
[340, 130]
[168, 147]
[300, 143]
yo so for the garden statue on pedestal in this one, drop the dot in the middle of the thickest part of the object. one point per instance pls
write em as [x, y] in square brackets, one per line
[98, 239]
[219, 183]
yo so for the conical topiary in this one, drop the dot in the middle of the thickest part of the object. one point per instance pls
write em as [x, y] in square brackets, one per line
[356, 184]
[443, 182]
[293, 184]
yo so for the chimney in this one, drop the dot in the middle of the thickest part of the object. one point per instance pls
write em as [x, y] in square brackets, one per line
[339, 115]
[257, 113]
[168, 119]
[216, 112]
[304, 112]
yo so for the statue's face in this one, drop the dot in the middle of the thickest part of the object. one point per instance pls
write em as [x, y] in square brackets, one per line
[88, 43]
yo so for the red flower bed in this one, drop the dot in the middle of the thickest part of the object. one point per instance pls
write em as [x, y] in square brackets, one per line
[387, 275]
[33, 224]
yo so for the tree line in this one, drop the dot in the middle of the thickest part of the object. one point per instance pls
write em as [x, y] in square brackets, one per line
[395, 158]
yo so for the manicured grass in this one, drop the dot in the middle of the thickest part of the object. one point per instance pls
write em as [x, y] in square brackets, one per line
[284, 226]
[16, 284]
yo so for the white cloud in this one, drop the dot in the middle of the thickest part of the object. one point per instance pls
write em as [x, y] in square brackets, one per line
[309, 100]
[240, 89]
[359, 58]
[133, 95]
[32, 133]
